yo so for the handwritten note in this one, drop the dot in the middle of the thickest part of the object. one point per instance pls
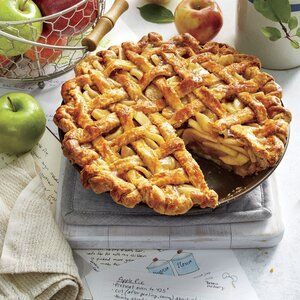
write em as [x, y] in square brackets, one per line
[183, 274]
[47, 155]
[130, 286]
[133, 285]
[99, 259]
[103, 259]
[6, 159]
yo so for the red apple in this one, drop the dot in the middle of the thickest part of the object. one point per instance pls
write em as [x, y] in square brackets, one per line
[201, 18]
[73, 22]
[46, 55]
[4, 61]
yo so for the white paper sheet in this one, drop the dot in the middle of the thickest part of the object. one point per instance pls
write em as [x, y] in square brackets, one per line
[164, 274]
[205, 274]
[106, 258]
[47, 155]
[103, 259]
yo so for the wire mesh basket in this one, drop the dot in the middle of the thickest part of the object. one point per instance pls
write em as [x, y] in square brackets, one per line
[46, 47]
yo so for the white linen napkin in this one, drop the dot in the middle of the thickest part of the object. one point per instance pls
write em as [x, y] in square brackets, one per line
[36, 262]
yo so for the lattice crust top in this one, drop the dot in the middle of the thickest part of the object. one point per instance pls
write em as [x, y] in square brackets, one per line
[122, 110]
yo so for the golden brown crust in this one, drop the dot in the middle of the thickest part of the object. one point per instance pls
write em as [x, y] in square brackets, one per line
[121, 111]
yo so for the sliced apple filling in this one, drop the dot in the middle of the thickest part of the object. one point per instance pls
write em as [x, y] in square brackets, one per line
[201, 138]
[206, 134]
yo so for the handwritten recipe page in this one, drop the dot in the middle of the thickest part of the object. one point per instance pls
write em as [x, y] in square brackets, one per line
[165, 274]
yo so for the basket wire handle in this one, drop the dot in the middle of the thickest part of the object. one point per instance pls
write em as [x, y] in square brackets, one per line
[105, 24]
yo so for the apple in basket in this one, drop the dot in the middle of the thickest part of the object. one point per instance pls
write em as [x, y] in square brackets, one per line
[47, 55]
[21, 10]
[71, 23]
[4, 61]
[201, 18]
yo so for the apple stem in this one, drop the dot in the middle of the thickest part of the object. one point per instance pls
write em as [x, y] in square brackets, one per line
[12, 105]
[23, 6]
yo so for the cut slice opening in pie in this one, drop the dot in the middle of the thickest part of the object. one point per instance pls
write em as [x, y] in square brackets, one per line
[132, 111]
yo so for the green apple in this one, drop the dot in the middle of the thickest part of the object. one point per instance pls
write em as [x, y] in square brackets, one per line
[22, 123]
[19, 10]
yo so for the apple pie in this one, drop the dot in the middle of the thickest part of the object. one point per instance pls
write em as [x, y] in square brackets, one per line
[132, 111]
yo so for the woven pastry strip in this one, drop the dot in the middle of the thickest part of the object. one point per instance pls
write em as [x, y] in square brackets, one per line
[122, 111]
